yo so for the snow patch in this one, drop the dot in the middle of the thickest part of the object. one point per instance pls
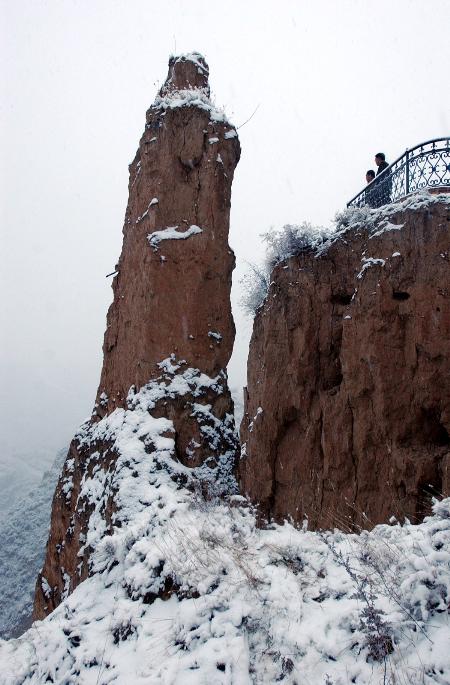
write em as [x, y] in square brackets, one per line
[194, 57]
[172, 233]
[196, 97]
[367, 263]
[151, 204]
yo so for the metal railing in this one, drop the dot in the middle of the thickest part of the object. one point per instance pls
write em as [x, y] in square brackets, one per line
[424, 166]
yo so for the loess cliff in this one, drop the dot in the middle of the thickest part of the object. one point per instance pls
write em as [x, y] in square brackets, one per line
[169, 332]
[347, 409]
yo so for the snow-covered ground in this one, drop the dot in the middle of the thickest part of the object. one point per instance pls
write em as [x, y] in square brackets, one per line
[23, 535]
[188, 590]
[250, 606]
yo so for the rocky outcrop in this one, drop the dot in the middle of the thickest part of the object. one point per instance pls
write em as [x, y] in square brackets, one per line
[347, 410]
[169, 329]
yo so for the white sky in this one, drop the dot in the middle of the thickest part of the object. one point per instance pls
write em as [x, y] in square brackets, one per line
[335, 81]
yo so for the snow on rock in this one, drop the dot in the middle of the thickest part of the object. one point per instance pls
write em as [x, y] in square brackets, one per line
[187, 86]
[191, 98]
[196, 58]
[377, 221]
[172, 233]
[368, 262]
[151, 204]
[175, 429]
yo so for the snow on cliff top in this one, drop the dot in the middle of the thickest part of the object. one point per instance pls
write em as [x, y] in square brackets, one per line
[377, 221]
[292, 239]
[188, 591]
[195, 97]
[196, 57]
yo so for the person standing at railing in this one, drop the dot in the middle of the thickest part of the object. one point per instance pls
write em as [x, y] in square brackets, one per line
[380, 161]
[384, 184]
[369, 195]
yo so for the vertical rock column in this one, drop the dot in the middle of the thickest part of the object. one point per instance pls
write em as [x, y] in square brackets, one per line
[171, 302]
[172, 290]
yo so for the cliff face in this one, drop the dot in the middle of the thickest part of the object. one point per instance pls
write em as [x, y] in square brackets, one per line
[347, 411]
[169, 331]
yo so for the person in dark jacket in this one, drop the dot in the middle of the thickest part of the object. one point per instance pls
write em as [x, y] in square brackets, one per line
[380, 161]
[384, 184]
[369, 196]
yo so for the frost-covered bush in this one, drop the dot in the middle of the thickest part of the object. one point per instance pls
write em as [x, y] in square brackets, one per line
[255, 284]
[295, 238]
[280, 245]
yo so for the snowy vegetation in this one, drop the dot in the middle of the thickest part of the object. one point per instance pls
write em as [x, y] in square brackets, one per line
[240, 605]
[280, 245]
[293, 239]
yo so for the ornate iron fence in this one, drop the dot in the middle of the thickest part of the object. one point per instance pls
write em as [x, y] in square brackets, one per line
[425, 166]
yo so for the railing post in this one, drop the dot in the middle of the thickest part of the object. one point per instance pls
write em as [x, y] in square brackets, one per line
[407, 172]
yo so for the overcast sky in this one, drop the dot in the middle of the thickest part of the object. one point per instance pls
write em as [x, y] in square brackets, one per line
[334, 82]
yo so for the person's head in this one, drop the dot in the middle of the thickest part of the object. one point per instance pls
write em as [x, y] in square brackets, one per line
[379, 158]
[370, 175]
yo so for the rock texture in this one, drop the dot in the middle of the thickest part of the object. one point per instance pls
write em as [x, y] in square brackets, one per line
[172, 303]
[347, 411]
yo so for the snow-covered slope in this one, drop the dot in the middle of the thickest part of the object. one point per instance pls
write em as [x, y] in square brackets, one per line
[187, 590]
[23, 534]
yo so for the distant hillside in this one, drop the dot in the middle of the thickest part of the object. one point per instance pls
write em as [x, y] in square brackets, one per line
[23, 534]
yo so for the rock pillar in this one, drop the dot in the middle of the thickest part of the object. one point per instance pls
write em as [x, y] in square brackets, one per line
[170, 319]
